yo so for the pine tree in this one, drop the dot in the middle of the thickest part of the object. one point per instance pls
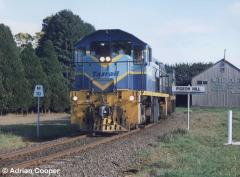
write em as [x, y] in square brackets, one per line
[57, 83]
[64, 29]
[35, 75]
[3, 94]
[13, 84]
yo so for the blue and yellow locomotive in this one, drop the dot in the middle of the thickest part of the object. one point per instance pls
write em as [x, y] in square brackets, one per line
[118, 85]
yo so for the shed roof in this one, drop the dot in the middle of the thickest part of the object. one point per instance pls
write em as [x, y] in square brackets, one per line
[109, 35]
[222, 60]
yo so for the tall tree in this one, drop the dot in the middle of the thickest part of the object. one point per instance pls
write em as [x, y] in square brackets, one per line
[3, 93]
[13, 83]
[64, 29]
[22, 39]
[57, 83]
[35, 75]
[36, 38]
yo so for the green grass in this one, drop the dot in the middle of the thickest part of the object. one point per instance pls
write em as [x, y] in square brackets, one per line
[9, 140]
[19, 135]
[199, 153]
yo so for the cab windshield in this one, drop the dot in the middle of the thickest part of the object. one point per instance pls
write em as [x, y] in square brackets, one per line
[105, 49]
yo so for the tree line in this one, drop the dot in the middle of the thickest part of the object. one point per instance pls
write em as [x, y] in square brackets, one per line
[43, 59]
[184, 72]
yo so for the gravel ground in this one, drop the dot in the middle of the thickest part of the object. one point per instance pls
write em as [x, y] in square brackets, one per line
[114, 159]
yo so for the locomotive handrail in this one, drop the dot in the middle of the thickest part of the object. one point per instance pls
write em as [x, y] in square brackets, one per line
[115, 87]
[141, 79]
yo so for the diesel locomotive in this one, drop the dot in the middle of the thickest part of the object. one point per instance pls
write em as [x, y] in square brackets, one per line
[118, 85]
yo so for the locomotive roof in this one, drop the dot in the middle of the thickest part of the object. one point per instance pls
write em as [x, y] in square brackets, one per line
[109, 35]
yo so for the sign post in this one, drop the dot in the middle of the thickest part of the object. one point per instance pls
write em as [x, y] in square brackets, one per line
[38, 92]
[188, 90]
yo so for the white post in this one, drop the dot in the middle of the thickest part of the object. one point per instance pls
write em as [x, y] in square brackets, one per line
[188, 111]
[230, 127]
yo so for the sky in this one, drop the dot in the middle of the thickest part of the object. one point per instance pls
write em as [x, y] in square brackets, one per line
[177, 30]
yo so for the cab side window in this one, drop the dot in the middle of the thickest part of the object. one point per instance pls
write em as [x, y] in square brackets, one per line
[138, 56]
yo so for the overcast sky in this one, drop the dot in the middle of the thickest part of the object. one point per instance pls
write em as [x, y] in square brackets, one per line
[177, 30]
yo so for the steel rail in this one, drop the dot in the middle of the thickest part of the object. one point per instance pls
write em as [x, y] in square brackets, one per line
[38, 148]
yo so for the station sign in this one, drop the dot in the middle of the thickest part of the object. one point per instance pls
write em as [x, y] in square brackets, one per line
[38, 91]
[188, 89]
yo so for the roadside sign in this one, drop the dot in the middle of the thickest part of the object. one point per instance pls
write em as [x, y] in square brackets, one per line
[38, 91]
[187, 90]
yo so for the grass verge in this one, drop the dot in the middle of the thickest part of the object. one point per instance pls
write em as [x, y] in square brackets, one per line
[9, 140]
[198, 153]
[20, 135]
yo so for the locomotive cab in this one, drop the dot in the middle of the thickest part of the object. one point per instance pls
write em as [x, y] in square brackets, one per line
[105, 51]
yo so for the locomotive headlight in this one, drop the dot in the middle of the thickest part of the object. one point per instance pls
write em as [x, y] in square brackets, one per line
[102, 59]
[131, 98]
[108, 59]
[75, 98]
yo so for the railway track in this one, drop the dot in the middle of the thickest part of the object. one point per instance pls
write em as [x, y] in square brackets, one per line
[38, 155]
[30, 150]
